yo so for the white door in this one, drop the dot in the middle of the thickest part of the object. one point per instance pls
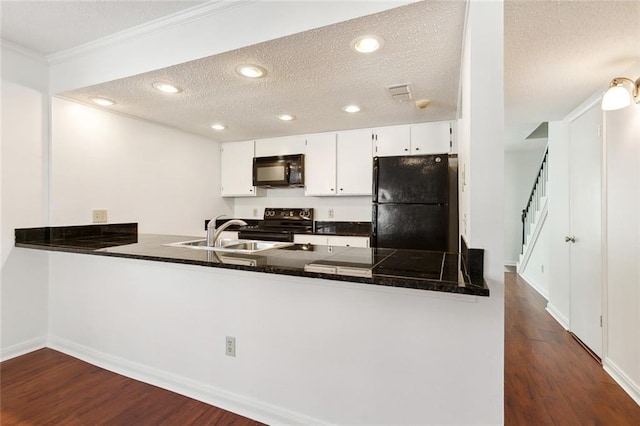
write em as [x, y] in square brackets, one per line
[585, 165]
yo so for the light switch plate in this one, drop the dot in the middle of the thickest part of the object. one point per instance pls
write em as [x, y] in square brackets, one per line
[99, 215]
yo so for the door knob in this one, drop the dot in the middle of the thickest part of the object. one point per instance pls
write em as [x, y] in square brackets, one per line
[569, 238]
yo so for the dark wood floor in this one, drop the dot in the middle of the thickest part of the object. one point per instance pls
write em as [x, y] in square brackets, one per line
[549, 380]
[47, 387]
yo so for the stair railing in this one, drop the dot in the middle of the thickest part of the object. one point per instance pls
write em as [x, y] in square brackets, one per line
[538, 191]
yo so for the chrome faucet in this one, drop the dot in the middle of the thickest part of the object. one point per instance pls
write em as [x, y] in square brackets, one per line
[213, 233]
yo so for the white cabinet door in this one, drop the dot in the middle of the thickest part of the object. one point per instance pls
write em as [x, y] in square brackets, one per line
[392, 141]
[320, 165]
[354, 163]
[342, 241]
[236, 169]
[319, 240]
[280, 146]
[431, 138]
[332, 240]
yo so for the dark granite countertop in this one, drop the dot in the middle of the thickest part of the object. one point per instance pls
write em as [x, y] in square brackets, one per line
[422, 270]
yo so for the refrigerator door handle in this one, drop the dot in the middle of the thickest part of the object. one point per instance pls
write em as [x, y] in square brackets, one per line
[374, 192]
[374, 226]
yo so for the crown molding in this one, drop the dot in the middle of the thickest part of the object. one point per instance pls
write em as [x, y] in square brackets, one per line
[21, 50]
[212, 7]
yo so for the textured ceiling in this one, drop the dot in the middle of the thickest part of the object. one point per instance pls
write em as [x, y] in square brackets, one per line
[311, 75]
[559, 53]
[48, 27]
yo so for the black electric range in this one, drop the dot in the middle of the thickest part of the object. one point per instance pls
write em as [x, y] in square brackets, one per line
[279, 224]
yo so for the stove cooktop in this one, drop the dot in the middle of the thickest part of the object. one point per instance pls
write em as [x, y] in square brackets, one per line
[280, 224]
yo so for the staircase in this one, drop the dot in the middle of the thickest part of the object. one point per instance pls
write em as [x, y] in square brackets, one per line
[535, 212]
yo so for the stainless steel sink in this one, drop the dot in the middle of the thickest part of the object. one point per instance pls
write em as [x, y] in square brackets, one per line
[231, 246]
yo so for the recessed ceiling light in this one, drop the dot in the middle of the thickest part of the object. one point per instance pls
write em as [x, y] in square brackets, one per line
[251, 71]
[218, 126]
[351, 108]
[366, 44]
[286, 117]
[167, 88]
[102, 101]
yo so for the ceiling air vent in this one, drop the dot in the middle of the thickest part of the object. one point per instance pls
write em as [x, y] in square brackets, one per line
[400, 92]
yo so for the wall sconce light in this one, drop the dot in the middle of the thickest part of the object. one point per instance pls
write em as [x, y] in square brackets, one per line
[618, 96]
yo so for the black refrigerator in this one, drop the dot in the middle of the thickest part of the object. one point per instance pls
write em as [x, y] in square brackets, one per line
[411, 202]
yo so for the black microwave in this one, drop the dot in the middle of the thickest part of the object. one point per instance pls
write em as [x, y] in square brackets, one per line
[281, 170]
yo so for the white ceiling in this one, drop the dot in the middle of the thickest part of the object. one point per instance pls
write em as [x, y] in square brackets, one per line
[557, 54]
[560, 53]
[48, 27]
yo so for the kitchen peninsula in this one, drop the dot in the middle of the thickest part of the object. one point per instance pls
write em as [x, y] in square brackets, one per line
[311, 347]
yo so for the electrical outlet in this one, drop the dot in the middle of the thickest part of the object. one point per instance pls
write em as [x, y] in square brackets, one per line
[331, 214]
[255, 212]
[230, 346]
[100, 216]
[542, 268]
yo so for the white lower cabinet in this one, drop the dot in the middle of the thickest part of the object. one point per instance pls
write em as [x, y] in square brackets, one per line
[332, 240]
[344, 241]
[236, 169]
[320, 240]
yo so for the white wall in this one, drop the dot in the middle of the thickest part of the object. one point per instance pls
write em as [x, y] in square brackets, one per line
[558, 222]
[344, 208]
[23, 186]
[481, 160]
[622, 141]
[166, 180]
[520, 170]
[308, 351]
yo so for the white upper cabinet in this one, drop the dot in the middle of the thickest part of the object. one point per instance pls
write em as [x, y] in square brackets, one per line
[414, 139]
[431, 138]
[236, 169]
[320, 165]
[280, 146]
[354, 166]
[392, 140]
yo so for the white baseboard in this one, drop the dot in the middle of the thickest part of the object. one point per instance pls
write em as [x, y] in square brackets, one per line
[23, 348]
[534, 285]
[625, 382]
[510, 263]
[557, 315]
[235, 403]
